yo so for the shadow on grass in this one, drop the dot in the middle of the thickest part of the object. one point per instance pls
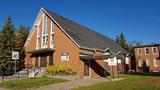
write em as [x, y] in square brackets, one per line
[145, 73]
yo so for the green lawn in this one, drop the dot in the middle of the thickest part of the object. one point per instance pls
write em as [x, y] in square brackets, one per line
[131, 82]
[30, 82]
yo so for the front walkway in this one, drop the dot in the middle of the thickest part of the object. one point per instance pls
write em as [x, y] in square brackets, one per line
[73, 84]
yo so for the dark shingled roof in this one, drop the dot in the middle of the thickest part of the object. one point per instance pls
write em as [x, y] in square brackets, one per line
[84, 36]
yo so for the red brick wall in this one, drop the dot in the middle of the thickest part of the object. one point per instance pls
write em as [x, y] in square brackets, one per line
[144, 57]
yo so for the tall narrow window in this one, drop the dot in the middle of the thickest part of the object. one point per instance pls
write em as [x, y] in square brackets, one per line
[140, 63]
[154, 50]
[52, 35]
[147, 51]
[38, 38]
[147, 63]
[155, 62]
[139, 51]
[45, 32]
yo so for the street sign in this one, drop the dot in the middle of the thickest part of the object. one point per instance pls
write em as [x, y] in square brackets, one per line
[127, 60]
[112, 61]
[15, 55]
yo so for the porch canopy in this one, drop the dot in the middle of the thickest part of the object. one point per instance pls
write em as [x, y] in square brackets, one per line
[100, 57]
[44, 50]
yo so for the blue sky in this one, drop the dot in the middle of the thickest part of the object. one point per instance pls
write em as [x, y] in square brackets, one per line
[138, 19]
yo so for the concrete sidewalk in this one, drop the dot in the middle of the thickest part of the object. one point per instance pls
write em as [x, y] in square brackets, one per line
[3, 89]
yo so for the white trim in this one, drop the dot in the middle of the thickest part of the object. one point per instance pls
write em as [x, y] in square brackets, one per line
[37, 21]
[60, 27]
[148, 62]
[44, 28]
[148, 51]
[155, 62]
[153, 50]
[140, 63]
[38, 37]
[138, 51]
[51, 35]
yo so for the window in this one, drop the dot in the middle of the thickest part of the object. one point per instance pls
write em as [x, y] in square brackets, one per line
[52, 34]
[154, 50]
[38, 31]
[147, 51]
[155, 63]
[52, 27]
[139, 51]
[147, 63]
[38, 42]
[65, 57]
[38, 38]
[45, 25]
[140, 63]
[45, 32]
[45, 41]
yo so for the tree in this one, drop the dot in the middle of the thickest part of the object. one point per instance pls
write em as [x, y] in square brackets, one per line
[122, 41]
[7, 37]
[21, 37]
[132, 44]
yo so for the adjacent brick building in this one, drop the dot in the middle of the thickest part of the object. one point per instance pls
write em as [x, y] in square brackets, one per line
[57, 40]
[147, 58]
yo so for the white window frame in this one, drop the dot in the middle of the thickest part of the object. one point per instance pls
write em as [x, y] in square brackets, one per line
[38, 37]
[140, 63]
[145, 51]
[148, 62]
[153, 50]
[139, 51]
[155, 62]
[44, 43]
[52, 35]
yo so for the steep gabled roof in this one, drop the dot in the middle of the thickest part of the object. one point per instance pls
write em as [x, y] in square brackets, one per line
[84, 36]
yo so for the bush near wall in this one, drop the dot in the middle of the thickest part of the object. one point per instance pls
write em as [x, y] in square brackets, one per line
[59, 70]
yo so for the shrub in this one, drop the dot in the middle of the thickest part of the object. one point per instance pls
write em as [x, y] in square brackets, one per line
[59, 70]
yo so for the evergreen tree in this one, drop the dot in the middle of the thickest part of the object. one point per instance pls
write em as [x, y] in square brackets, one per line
[117, 39]
[7, 44]
[122, 41]
[21, 37]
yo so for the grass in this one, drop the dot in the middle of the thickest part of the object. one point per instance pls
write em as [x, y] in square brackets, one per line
[30, 83]
[131, 82]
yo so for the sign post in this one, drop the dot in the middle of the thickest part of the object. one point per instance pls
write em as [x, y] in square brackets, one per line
[112, 62]
[15, 56]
